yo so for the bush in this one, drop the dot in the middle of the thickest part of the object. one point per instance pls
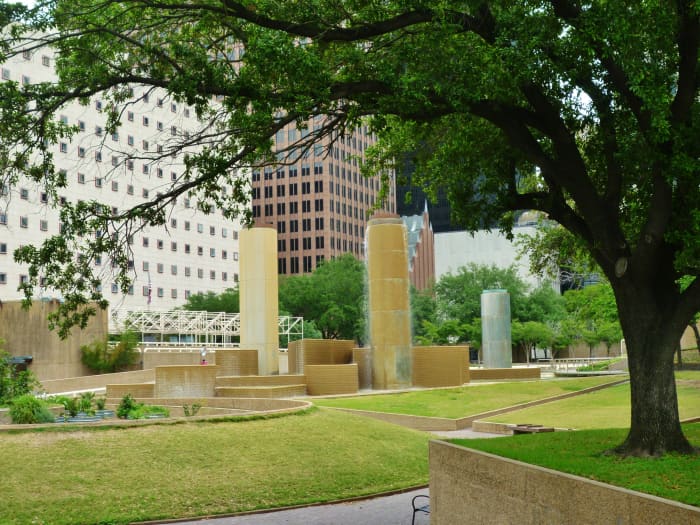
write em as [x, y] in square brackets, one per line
[14, 383]
[102, 358]
[27, 409]
[130, 409]
[126, 405]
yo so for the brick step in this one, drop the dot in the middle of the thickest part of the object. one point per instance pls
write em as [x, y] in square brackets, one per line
[279, 380]
[279, 391]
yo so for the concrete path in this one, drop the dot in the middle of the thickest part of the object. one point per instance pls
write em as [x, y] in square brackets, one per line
[387, 510]
[383, 510]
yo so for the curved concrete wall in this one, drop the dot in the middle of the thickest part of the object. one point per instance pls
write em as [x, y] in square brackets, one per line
[389, 304]
[437, 366]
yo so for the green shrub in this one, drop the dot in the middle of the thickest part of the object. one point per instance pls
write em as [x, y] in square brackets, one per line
[126, 405]
[130, 409]
[100, 403]
[14, 383]
[85, 402]
[101, 357]
[28, 409]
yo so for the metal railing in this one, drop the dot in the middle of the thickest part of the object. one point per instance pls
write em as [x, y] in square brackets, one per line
[186, 327]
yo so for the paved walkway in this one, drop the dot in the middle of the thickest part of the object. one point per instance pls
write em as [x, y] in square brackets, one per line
[384, 510]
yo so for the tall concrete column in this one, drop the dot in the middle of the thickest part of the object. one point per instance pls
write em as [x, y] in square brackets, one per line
[389, 304]
[495, 329]
[258, 296]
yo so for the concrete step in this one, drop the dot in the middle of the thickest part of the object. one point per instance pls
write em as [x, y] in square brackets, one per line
[278, 380]
[278, 391]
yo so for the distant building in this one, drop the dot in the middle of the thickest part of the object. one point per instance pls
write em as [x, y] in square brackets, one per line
[456, 249]
[317, 198]
[411, 200]
[421, 249]
[194, 251]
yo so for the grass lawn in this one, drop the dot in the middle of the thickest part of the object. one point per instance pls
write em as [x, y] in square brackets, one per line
[609, 408]
[672, 476]
[465, 401]
[195, 469]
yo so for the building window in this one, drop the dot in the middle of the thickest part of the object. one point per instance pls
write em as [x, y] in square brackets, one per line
[212, 252]
[144, 266]
[173, 246]
[129, 189]
[144, 241]
[212, 275]
[98, 182]
[173, 293]
[3, 278]
[159, 267]
[188, 271]
[44, 225]
[3, 248]
[24, 222]
[3, 218]
[160, 292]
[173, 269]
[159, 244]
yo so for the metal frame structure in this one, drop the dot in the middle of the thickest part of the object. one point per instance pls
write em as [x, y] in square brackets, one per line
[185, 327]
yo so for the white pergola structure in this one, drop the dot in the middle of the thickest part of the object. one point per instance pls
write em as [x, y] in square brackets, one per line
[186, 328]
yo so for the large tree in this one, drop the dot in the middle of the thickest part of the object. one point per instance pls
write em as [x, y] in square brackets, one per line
[586, 111]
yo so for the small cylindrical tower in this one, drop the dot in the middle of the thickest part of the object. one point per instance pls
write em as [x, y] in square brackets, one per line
[495, 329]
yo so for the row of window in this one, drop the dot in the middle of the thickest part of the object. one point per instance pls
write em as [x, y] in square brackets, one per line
[23, 279]
[188, 248]
[44, 226]
[305, 225]
[294, 244]
[306, 261]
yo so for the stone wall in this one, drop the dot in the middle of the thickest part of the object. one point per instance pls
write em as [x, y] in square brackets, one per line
[468, 486]
[237, 362]
[74, 384]
[322, 380]
[492, 374]
[26, 333]
[185, 381]
[318, 352]
[437, 366]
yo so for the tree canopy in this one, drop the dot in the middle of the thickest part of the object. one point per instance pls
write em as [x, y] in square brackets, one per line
[586, 111]
[333, 297]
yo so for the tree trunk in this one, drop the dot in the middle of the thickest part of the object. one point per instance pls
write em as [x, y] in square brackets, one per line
[679, 353]
[655, 424]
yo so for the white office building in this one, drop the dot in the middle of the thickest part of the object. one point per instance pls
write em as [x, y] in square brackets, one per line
[194, 252]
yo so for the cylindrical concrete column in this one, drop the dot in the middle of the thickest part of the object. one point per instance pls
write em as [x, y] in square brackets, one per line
[389, 304]
[495, 329]
[258, 296]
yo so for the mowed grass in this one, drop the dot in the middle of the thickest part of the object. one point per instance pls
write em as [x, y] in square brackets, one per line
[465, 401]
[582, 453]
[608, 408]
[196, 469]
